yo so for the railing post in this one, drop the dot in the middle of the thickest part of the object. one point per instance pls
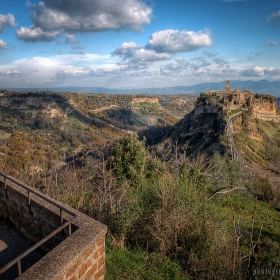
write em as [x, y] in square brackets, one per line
[19, 267]
[62, 227]
[61, 216]
[5, 188]
[29, 202]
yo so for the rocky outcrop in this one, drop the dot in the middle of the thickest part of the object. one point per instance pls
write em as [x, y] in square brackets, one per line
[265, 109]
[248, 125]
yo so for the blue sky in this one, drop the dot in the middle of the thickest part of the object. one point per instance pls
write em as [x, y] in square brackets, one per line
[134, 43]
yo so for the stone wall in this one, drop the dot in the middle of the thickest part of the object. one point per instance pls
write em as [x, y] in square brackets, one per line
[79, 256]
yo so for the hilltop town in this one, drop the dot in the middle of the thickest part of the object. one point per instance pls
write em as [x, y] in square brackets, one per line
[260, 106]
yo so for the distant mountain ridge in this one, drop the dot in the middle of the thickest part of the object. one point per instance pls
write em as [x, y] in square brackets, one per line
[260, 87]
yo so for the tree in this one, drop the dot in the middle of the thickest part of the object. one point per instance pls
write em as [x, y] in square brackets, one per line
[130, 159]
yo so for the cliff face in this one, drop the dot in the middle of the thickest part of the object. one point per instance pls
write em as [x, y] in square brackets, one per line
[32, 105]
[199, 131]
[247, 125]
[265, 109]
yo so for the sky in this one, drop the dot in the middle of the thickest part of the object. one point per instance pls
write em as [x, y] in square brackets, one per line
[137, 43]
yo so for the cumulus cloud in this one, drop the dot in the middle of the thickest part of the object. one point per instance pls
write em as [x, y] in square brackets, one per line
[209, 54]
[227, 72]
[201, 72]
[52, 16]
[6, 20]
[130, 50]
[3, 45]
[201, 62]
[272, 71]
[36, 34]
[258, 71]
[70, 39]
[175, 41]
[11, 73]
[175, 68]
[271, 43]
[220, 61]
[255, 72]
[274, 18]
[137, 57]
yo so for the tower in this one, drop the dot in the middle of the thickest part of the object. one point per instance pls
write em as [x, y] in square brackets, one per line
[227, 85]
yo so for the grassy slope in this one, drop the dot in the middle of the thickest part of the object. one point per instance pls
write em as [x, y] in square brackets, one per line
[264, 153]
[122, 263]
[134, 264]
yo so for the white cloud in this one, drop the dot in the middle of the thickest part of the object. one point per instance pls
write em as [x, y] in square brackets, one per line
[175, 41]
[70, 39]
[273, 72]
[228, 72]
[52, 16]
[3, 45]
[134, 56]
[130, 50]
[274, 18]
[255, 72]
[6, 20]
[13, 73]
[201, 62]
[176, 68]
[220, 61]
[201, 72]
[271, 43]
[36, 34]
[209, 54]
[42, 71]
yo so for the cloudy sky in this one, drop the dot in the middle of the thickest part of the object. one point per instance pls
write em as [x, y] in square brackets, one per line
[137, 43]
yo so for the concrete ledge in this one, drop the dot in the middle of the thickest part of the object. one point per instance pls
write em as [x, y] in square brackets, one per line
[79, 256]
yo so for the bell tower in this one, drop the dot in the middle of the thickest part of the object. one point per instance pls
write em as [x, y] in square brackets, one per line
[227, 85]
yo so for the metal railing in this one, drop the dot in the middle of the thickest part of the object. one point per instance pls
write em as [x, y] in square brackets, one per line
[233, 148]
[62, 209]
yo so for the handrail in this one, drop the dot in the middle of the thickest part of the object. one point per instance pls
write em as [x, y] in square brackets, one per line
[232, 144]
[46, 238]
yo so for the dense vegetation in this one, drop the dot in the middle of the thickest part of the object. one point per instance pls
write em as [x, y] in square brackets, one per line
[195, 217]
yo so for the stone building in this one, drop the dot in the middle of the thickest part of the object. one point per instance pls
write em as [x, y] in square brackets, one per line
[262, 106]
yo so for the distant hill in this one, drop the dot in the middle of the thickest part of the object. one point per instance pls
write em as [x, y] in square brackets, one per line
[262, 86]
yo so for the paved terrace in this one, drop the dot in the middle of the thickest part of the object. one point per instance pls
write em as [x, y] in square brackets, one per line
[12, 244]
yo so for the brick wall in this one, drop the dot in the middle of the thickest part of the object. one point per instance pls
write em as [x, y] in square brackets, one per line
[91, 265]
[33, 222]
[79, 256]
